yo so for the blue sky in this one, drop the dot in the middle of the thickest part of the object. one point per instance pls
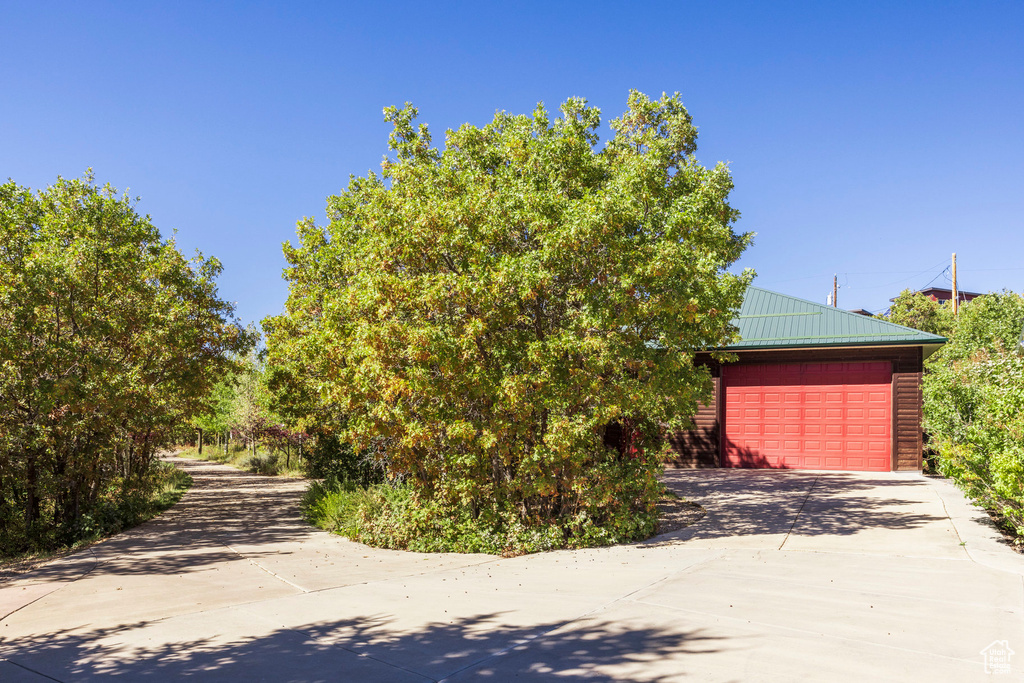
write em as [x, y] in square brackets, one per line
[865, 139]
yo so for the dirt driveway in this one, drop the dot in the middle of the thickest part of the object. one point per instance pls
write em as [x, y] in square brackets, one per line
[812, 576]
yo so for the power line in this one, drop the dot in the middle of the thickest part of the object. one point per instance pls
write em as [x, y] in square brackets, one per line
[871, 272]
[944, 272]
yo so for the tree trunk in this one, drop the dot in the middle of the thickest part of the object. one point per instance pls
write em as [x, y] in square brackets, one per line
[200, 441]
[32, 495]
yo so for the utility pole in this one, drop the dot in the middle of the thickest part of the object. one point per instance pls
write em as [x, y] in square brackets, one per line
[956, 296]
[835, 287]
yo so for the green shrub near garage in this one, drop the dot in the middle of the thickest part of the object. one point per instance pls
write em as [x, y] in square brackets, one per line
[974, 406]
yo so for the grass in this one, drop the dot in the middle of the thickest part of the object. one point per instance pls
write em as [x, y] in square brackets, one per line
[239, 457]
[172, 486]
[113, 516]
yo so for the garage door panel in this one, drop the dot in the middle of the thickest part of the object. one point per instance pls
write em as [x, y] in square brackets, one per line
[828, 415]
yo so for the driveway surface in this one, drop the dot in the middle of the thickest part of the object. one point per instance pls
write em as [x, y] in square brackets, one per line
[791, 575]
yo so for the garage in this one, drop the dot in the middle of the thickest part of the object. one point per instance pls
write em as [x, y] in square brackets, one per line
[810, 386]
[827, 416]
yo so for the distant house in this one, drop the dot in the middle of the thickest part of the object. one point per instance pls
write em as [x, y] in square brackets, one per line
[814, 387]
[944, 295]
[861, 311]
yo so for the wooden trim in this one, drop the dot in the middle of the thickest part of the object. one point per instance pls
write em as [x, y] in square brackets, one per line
[719, 400]
[894, 444]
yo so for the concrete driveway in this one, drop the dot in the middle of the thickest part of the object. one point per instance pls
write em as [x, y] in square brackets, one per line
[791, 575]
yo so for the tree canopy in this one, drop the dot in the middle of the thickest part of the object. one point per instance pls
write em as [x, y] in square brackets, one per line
[478, 314]
[913, 309]
[109, 338]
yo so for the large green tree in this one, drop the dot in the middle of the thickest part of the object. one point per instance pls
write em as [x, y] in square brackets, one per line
[480, 313]
[109, 338]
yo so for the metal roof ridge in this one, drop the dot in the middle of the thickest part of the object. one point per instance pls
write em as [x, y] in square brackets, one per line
[840, 311]
[779, 320]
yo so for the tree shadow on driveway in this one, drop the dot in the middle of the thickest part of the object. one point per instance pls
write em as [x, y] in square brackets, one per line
[365, 649]
[768, 502]
[224, 507]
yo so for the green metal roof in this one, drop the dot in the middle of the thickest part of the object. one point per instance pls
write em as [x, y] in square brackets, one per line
[769, 320]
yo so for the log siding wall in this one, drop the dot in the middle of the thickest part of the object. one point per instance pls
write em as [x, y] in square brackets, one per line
[701, 446]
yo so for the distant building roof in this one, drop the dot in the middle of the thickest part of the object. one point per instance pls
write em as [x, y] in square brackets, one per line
[941, 294]
[769, 320]
[861, 311]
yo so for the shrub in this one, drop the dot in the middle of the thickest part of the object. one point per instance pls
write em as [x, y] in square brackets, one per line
[121, 505]
[618, 505]
[261, 463]
[974, 406]
[336, 506]
[330, 458]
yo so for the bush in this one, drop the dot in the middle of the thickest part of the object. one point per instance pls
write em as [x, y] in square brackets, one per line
[974, 407]
[330, 458]
[261, 463]
[617, 506]
[336, 506]
[120, 506]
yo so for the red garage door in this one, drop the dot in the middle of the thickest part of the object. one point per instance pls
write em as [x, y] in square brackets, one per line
[827, 416]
